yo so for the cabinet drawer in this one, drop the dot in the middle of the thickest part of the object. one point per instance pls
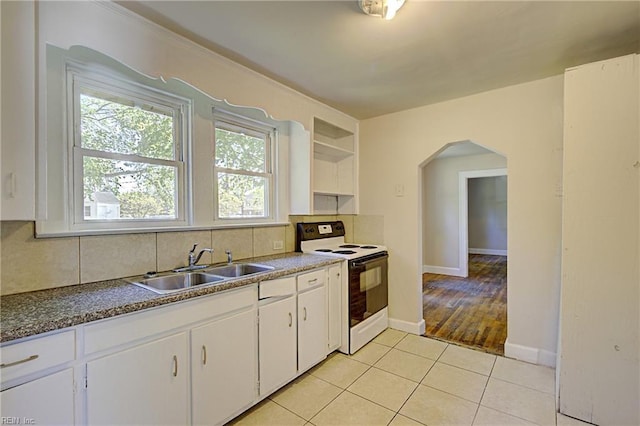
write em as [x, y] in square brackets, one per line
[311, 279]
[37, 354]
[278, 287]
[129, 328]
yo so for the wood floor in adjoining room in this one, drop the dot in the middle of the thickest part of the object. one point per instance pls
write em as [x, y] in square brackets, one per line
[469, 311]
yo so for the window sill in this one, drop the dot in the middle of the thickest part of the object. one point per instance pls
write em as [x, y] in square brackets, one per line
[82, 233]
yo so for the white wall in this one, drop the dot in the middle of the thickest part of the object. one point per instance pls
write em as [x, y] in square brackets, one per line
[523, 123]
[488, 215]
[440, 206]
[144, 46]
[152, 50]
[155, 51]
[600, 323]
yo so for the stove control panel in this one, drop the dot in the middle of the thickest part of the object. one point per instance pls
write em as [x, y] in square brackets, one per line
[318, 230]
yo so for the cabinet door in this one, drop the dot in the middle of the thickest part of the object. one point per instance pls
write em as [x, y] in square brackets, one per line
[334, 308]
[224, 368]
[312, 327]
[277, 333]
[48, 400]
[18, 138]
[147, 384]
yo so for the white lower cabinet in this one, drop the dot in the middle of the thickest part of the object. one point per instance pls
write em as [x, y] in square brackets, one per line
[334, 306]
[197, 362]
[278, 345]
[223, 368]
[38, 380]
[47, 400]
[312, 327]
[292, 327]
[147, 384]
[201, 369]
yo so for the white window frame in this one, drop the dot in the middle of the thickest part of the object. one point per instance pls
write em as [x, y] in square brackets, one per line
[234, 122]
[81, 78]
[60, 195]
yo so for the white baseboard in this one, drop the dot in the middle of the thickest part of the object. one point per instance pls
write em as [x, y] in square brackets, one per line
[409, 327]
[529, 354]
[442, 270]
[488, 251]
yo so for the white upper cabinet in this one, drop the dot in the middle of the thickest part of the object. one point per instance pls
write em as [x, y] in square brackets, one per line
[17, 192]
[334, 169]
[333, 160]
[324, 170]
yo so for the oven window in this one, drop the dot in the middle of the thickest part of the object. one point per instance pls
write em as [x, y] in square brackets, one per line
[370, 279]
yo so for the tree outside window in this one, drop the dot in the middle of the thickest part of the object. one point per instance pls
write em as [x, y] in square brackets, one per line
[243, 170]
[127, 155]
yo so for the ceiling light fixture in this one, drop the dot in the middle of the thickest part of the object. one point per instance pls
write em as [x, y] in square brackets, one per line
[386, 9]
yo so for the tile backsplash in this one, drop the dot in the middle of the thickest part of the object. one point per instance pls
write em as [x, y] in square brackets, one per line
[29, 264]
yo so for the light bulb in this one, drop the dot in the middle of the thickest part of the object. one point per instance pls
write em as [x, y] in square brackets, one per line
[386, 9]
[390, 8]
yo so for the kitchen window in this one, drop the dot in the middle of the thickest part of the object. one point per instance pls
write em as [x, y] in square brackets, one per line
[128, 154]
[123, 152]
[242, 168]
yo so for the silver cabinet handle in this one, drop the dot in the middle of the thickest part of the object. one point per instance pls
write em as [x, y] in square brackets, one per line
[290, 319]
[22, 361]
[204, 355]
[175, 366]
[305, 313]
[315, 280]
[12, 190]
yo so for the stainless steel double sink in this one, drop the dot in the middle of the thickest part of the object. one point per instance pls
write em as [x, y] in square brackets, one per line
[172, 282]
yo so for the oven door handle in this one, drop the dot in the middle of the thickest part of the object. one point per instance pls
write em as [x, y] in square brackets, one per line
[356, 264]
[367, 260]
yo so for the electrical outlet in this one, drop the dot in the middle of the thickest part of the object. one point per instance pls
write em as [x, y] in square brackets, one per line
[278, 245]
[399, 190]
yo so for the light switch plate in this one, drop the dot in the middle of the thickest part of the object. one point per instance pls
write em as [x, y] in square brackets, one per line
[278, 245]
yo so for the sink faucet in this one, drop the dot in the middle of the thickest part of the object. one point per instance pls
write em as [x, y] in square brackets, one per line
[229, 256]
[193, 259]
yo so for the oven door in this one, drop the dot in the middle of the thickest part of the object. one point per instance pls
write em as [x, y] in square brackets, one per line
[367, 287]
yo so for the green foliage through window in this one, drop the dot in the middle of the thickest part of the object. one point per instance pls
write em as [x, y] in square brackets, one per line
[112, 126]
[243, 171]
[129, 167]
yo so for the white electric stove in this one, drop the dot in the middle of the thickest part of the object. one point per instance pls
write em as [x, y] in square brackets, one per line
[365, 293]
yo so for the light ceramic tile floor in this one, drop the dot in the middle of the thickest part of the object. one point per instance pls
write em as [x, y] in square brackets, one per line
[401, 379]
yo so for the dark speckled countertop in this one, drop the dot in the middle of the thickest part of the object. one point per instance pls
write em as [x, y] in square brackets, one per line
[28, 314]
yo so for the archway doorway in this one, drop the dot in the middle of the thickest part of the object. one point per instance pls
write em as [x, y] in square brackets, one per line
[464, 223]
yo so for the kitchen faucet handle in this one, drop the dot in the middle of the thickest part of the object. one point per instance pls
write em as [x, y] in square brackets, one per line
[193, 250]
